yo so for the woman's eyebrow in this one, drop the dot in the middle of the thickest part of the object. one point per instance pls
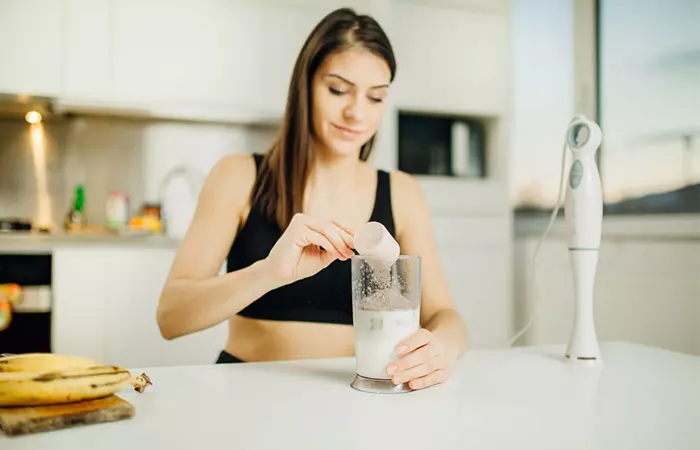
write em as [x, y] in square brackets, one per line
[333, 75]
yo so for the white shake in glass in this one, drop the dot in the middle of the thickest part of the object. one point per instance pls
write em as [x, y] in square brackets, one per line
[377, 333]
[386, 310]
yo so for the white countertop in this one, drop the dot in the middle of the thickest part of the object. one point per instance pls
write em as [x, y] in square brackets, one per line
[529, 398]
[39, 242]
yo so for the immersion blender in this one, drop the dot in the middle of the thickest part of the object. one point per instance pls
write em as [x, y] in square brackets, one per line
[584, 217]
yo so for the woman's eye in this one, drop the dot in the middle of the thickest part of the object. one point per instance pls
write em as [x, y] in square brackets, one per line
[376, 100]
[335, 91]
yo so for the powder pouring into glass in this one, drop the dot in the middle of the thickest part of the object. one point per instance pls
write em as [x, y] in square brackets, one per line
[386, 310]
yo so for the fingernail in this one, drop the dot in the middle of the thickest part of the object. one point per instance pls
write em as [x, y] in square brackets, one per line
[401, 349]
[391, 369]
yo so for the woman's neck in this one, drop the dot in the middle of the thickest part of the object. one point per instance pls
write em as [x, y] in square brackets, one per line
[334, 171]
[340, 188]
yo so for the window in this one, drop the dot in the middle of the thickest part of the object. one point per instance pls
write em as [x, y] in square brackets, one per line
[543, 104]
[649, 105]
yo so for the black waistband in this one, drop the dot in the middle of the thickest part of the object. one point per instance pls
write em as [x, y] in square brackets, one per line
[227, 358]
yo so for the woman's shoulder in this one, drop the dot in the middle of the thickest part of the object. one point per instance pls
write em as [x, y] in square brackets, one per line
[238, 163]
[405, 184]
[232, 177]
[408, 199]
[236, 168]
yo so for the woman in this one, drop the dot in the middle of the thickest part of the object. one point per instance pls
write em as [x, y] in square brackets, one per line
[287, 293]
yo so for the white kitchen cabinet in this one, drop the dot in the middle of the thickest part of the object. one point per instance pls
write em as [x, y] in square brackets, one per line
[79, 282]
[197, 53]
[132, 335]
[30, 47]
[476, 257]
[467, 197]
[86, 50]
[492, 6]
[105, 301]
[451, 59]
[184, 52]
[647, 290]
[279, 42]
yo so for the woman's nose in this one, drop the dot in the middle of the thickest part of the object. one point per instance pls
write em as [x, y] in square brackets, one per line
[355, 111]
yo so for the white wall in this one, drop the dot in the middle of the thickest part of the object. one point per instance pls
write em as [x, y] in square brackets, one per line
[30, 170]
[115, 154]
[647, 286]
[195, 148]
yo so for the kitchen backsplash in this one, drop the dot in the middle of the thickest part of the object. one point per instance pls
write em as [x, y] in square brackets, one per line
[40, 168]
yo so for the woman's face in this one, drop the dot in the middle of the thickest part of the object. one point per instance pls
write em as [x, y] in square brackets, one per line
[348, 99]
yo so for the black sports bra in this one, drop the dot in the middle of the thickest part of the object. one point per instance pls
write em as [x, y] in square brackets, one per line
[324, 297]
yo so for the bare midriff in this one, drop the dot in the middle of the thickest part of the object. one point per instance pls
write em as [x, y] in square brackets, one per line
[271, 340]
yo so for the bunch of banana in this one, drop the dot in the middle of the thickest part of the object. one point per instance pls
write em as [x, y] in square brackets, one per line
[34, 379]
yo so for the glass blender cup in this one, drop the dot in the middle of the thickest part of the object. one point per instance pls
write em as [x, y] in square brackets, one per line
[386, 310]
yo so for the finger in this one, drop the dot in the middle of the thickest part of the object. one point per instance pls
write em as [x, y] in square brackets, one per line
[347, 238]
[311, 237]
[344, 227]
[413, 359]
[414, 341]
[433, 378]
[306, 223]
[331, 233]
[421, 370]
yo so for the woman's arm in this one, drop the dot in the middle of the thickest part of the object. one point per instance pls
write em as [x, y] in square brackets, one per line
[194, 296]
[430, 352]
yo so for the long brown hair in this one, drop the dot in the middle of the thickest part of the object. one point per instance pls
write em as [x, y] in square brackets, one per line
[281, 181]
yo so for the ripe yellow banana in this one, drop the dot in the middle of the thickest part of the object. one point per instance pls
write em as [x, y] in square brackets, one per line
[44, 388]
[43, 362]
[45, 378]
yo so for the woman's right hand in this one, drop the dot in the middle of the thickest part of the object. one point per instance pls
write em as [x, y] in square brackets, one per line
[307, 246]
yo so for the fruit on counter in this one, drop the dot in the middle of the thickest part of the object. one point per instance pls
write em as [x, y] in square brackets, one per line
[12, 292]
[43, 362]
[65, 386]
[5, 313]
[148, 220]
[57, 379]
[146, 223]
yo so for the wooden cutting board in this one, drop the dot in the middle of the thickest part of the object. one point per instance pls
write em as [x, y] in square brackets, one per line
[36, 419]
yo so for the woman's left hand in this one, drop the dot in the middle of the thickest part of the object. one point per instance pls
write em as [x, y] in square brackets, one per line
[424, 360]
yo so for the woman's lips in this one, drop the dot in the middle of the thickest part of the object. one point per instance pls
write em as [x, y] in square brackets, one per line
[347, 132]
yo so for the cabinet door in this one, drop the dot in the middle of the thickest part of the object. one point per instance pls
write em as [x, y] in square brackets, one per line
[476, 257]
[86, 25]
[30, 40]
[80, 279]
[279, 41]
[646, 291]
[186, 52]
[451, 59]
[132, 335]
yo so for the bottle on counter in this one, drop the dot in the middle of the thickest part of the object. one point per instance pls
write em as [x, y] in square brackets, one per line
[75, 219]
[117, 210]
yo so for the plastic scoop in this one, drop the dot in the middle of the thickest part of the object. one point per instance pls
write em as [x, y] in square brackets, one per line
[374, 242]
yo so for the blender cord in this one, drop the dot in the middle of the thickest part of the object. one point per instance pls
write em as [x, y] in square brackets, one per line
[531, 277]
